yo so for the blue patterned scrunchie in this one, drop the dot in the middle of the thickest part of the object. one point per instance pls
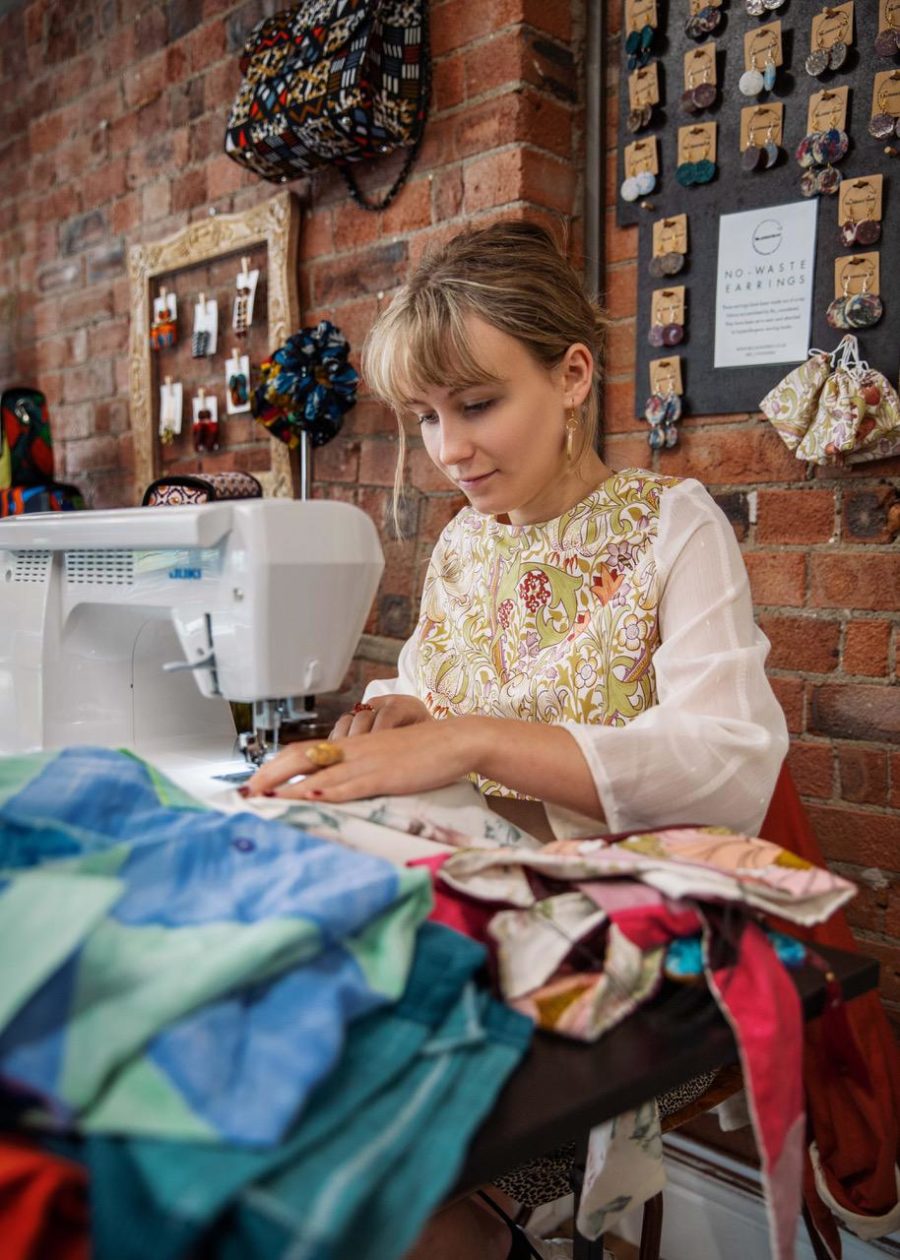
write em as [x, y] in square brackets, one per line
[307, 386]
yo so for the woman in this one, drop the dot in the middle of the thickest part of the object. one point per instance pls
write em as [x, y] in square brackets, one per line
[586, 637]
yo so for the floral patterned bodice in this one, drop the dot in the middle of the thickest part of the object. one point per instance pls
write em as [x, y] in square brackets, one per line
[555, 622]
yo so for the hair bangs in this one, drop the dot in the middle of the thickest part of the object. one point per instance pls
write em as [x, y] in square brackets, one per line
[422, 342]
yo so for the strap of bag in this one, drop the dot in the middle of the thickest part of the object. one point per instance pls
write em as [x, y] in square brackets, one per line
[364, 202]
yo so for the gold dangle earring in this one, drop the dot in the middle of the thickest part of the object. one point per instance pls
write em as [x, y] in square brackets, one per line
[571, 427]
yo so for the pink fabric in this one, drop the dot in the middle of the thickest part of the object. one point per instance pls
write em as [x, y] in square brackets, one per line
[762, 1006]
[453, 909]
[644, 915]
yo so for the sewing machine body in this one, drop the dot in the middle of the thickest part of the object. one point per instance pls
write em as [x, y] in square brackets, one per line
[260, 601]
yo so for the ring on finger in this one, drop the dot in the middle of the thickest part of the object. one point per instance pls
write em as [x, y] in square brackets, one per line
[325, 754]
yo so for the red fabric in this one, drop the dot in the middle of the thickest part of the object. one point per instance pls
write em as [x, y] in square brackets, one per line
[855, 1122]
[43, 1206]
[455, 910]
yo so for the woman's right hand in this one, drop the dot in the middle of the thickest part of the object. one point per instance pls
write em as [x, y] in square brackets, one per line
[381, 714]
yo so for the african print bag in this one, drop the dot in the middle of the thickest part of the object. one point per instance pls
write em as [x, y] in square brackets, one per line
[26, 435]
[332, 82]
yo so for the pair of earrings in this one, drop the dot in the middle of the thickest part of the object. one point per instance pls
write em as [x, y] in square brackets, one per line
[164, 333]
[884, 125]
[757, 8]
[816, 154]
[671, 333]
[639, 185]
[690, 173]
[703, 23]
[860, 232]
[761, 157]
[668, 264]
[754, 81]
[822, 59]
[638, 47]
[662, 412]
[639, 118]
[887, 43]
[699, 96]
[857, 310]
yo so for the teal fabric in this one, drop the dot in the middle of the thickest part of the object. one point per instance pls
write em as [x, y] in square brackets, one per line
[379, 1146]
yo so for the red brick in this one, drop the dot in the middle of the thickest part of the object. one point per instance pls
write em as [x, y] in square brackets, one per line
[808, 644]
[145, 80]
[620, 244]
[223, 176]
[791, 695]
[777, 578]
[617, 410]
[446, 193]
[856, 711]
[338, 461]
[888, 956]
[861, 836]
[493, 180]
[855, 580]
[437, 512]
[866, 645]
[423, 474]
[863, 775]
[89, 454]
[316, 235]
[189, 190]
[733, 456]
[895, 780]
[354, 227]
[370, 417]
[449, 82]
[795, 516]
[812, 767]
[378, 459]
[620, 298]
[626, 451]
[865, 514]
[892, 916]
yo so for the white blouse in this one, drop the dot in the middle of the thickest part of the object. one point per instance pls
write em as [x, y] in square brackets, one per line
[709, 749]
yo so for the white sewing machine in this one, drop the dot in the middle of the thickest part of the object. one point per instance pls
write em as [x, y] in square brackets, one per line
[134, 628]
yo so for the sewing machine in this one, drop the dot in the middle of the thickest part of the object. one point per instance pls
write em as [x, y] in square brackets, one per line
[134, 628]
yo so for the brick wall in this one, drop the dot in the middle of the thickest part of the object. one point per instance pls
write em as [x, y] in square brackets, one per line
[112, 113]
[824, 567]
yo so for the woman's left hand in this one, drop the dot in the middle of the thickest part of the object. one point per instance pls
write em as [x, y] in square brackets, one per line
[383, 763]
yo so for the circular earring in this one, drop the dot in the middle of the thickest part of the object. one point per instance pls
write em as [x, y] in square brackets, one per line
[864, 309]
[751, 81]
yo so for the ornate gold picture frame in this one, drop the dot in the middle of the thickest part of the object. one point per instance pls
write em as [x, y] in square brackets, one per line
[274, 225]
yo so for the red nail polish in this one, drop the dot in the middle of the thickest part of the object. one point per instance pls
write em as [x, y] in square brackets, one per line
[243, 790]
[315, 792]
[268, 793]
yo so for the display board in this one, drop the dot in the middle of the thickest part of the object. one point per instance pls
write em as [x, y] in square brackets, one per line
[687, 111]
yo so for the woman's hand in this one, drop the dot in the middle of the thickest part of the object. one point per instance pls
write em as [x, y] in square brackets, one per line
[381, 763]
[383, 713]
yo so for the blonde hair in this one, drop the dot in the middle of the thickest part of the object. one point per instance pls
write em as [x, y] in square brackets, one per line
[514, 277]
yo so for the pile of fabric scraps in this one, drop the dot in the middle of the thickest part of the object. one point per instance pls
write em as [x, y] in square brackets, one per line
[584, 931]
[261, 1046]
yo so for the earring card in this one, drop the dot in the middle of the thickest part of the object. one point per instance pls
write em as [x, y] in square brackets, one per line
[640, 13]
[828, 109]
[889, 15]
[834, 25]
[670, 236]
[643, 86]
[697, 5]
[665, 375]
[886, 93]
[860, 199]
[697, 143]
[762, 44]
[667, 306]
[700, 65]
[642, 155]
[761, 123]
[237, 384]
[861, 273]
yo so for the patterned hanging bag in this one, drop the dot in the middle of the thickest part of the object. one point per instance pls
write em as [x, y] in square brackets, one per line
[333, 82]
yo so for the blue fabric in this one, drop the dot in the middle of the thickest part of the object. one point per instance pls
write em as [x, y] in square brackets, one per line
[231, 960]
[377, 1149]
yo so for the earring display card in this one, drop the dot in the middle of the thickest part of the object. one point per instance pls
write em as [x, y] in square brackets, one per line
[762, 123]
[854, 79]
[206, 322]
[643, 86]
[761, 45]
[834, 25]
[697, 142]
[237, 383]
[641, 156]
[857, 273]
[640, 13]
[665, 376]
[860, 199]
[668, 305]
[171, 405]
[670, 236]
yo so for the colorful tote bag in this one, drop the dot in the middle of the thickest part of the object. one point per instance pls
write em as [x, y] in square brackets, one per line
[26, 432]
[332, 82]
[175, 491]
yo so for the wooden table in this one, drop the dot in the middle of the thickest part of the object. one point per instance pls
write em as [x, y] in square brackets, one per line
[563, 1088]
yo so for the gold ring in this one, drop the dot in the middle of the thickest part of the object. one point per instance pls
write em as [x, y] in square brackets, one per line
[325, 754]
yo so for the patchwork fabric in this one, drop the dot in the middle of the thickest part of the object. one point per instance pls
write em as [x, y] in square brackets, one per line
[54, 497]
[26, 432]
[201, 982]
[329, 82]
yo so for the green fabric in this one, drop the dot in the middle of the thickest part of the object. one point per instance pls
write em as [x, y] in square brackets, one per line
[43, 917]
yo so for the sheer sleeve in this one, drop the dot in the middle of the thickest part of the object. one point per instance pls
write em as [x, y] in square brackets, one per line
[709, 751]
[405, 682]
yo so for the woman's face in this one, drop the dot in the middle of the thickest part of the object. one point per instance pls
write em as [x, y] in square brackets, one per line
[503, 444]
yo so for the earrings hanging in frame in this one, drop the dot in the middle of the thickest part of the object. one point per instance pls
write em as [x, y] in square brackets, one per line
[205, 427]
[164, 328]
[831, 36]
[244, 297]
[206, 326]
[860, 210]
[237, 383]
[170, 408]
[700, 79]
[857, 303]
[670, 246]
[667, 317]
